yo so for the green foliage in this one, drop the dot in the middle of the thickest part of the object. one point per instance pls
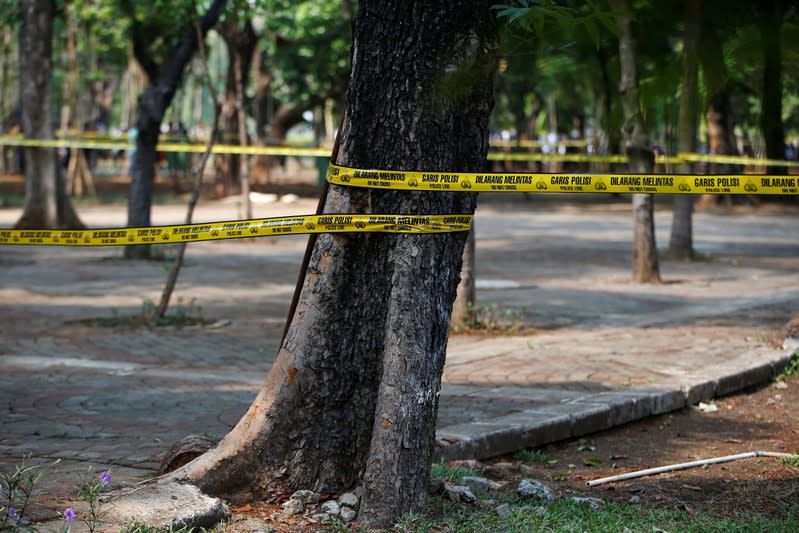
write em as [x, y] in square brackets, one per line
[180, 315]
[565, 516]
[533, 15]
[16, 490]
[533, 456]
[487, 319]
[453, 474]
[791, 371]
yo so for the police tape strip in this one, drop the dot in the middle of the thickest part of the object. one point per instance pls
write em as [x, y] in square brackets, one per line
[261, 227]
[193, 147]
[564, 183]
[165, 147]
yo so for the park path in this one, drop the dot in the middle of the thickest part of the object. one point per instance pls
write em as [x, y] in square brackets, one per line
[600, 351]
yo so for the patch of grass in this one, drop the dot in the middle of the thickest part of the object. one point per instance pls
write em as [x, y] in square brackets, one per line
[454, 474]
[532, 456]
[564, 516]
[180, 315]
[791, 371]
[488, 319]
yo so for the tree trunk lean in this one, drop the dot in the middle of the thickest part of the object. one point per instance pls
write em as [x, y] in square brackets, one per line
[46, 202]
[152, 105]
[352, 397]
[638, 150]
[681, 243]
[771, 105]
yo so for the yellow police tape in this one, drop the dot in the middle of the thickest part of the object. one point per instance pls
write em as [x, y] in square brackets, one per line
[108, 143]
[570, 182]
[239, 229]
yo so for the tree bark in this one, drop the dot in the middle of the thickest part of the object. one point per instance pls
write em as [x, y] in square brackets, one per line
[46, 202]
[639, 152]
[152, 106]
[681, 243]
[352, 397]
[771, 104]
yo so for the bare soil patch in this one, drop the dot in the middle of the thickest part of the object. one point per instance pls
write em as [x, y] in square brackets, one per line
[765, 419]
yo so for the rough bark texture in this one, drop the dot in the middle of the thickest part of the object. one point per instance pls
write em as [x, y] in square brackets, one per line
[771, 105]
[46, 202]
[639, 152]
[681, 243]
[352, 397]
[152, 106]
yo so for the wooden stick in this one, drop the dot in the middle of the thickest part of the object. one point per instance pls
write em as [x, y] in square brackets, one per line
[691, 464]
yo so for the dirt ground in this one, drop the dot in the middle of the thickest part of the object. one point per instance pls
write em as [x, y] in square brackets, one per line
[765, 419]
[761, 420]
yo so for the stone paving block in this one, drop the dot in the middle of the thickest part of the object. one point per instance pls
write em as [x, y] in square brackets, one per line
[744, 378]
[699, 391]
[587, 417]
[624, 406]
[504, 435]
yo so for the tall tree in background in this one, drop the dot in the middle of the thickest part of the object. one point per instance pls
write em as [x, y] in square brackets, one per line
[681, 244]
[770, 25]
[46, 202]
[352, 397]
[638, 150]
[164, 76]
[241, 40]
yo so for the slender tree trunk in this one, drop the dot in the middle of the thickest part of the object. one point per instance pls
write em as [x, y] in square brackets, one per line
[639, 152]
[46, 202]
[771, 106]
[152, 106]
[352, 397]
[681, 244]
[463, 310]
[241, 41]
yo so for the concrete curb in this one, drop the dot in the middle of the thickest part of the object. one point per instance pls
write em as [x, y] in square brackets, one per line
[582, 415]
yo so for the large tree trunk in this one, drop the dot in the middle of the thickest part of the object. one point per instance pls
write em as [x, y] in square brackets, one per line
[639, 152]
[681, 244]
[352, 397]
[771, 104]
[152, 106]
[46, 202]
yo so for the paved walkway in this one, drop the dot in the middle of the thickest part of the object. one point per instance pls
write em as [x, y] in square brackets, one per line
[603, 352]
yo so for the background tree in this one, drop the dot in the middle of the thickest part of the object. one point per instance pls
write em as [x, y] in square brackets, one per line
[46, 202]
[638, 150]
[681, 243]
[163, 61]
[352, 397]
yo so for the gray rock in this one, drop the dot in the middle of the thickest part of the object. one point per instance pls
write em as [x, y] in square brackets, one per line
[321, 517]
[504, 510]
[331, 507]
[306, 496]
[165, 505]
[481, 485]
[594, 503]
[533, 489]
[293, 506]
[460, 493]
[487, 504]
[349, 499]
[348, 514]
[634, 499]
